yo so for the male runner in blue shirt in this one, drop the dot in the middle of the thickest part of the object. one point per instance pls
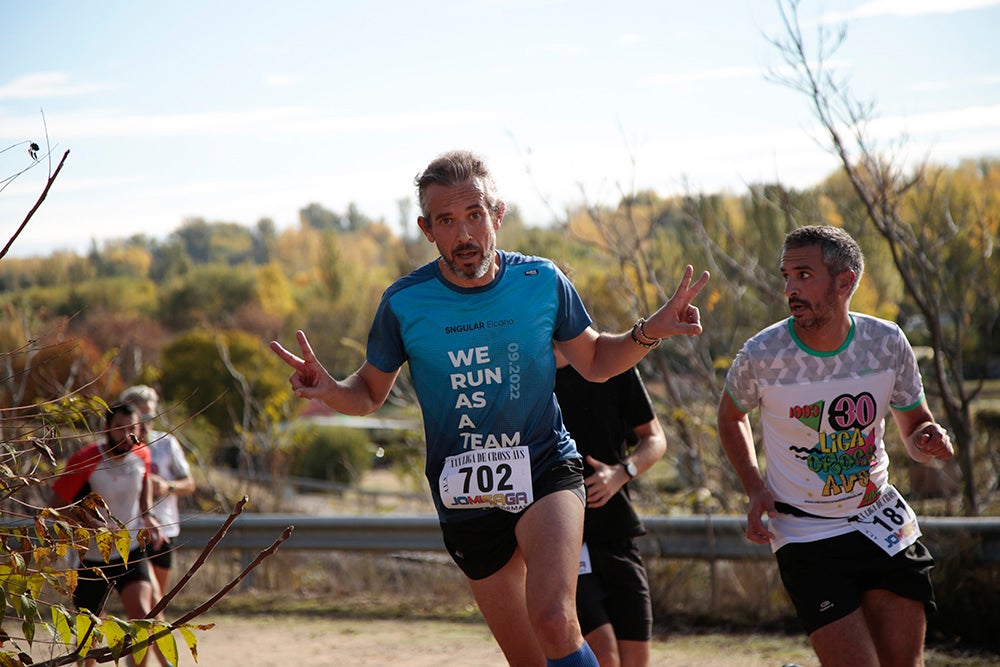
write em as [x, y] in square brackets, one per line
[477, 327]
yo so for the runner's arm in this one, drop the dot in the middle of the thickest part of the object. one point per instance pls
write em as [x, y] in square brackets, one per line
[737, 439]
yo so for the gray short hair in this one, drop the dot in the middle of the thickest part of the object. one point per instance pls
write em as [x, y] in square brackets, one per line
[840, 251]
[139, 393]
[456, 167]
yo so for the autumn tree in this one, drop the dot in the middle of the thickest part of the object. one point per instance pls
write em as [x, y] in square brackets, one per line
[229, 380]
[940, 242]
[639, 248]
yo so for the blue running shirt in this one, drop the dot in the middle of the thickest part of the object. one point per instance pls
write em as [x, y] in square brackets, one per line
[482, 363]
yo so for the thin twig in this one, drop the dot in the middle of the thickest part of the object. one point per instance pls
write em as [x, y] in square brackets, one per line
[208, 604]
[104, 654]
[34, 208]
[202, 557]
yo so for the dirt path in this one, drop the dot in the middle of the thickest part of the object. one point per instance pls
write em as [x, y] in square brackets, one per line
[304, 641]
[293, 640]
[315, 641]
[241, 641]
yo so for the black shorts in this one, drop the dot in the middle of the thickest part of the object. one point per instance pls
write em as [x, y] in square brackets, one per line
[91, 588]
[162, 556]
[483, 545]
[825, 579]
[616, 591]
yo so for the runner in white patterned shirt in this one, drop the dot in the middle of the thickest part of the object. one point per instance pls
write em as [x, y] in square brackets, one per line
[824, 381]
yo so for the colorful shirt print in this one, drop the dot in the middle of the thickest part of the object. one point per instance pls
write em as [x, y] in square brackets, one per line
[823, 415]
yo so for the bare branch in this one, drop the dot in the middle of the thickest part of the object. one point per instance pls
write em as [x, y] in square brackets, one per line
[202, 557]
[887, 195]
[208, 604]
[38, 203]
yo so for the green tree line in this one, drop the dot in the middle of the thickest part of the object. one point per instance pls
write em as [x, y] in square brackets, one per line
[192, 314]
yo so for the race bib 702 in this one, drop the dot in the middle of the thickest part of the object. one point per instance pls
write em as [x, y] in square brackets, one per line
[497, 477]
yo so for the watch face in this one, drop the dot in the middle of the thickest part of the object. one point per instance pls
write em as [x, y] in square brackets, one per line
[631, 469]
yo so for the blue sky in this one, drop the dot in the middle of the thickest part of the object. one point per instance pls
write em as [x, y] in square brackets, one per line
[237, 111]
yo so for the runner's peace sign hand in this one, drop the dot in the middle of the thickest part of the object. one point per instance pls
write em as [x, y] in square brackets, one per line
[677, 316]
[310, 379]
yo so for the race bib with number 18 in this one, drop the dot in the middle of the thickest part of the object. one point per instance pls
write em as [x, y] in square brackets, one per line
[888, 522]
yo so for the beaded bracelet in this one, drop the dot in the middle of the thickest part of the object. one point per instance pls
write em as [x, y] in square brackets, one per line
[639, 326]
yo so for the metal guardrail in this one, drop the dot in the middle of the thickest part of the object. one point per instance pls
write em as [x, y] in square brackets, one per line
[706, 537]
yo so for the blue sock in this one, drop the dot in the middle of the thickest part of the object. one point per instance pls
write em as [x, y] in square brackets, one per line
[582, 657]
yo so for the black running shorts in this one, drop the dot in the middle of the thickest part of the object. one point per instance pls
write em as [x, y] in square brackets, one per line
[91, 588]
[825, 578]
[162, 556]
[483, 545]
[616, 591]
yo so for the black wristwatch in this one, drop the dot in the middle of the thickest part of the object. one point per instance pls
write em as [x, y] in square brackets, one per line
[630, 469]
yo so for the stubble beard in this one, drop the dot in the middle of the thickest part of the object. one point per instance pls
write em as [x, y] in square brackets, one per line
[817, 319]
[479, 270]
[120, 447]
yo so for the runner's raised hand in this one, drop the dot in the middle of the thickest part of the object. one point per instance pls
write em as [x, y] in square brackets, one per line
[677, 316]
[310, 379]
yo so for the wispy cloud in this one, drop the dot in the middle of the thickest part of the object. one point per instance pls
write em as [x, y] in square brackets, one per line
[955, 84]
[877, 8]
[706, 75]
[952, 120]
[43, 85]
[285, 121]
[738, 72]
[282, 80]
[564, 49]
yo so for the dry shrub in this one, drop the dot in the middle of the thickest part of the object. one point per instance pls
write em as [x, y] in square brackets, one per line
[738, 594]
[339, 582]
[968, 597]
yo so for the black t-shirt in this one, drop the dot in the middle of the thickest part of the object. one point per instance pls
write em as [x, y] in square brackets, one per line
[600, 417]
